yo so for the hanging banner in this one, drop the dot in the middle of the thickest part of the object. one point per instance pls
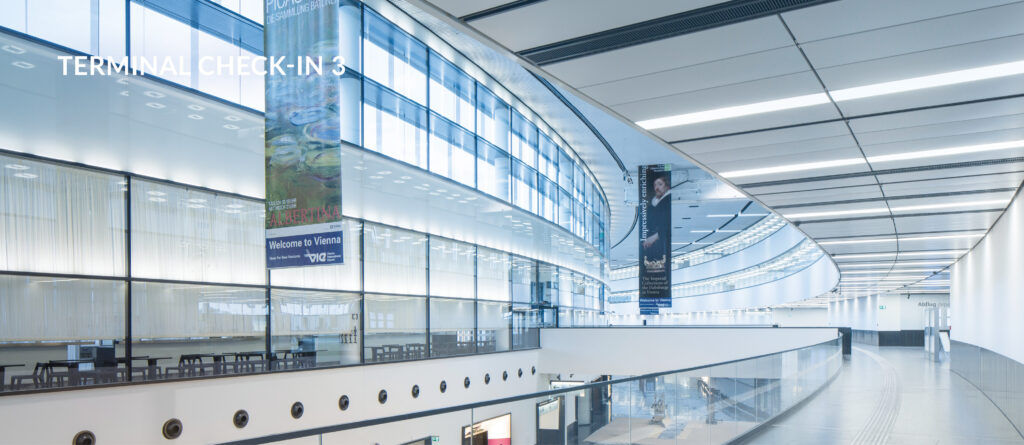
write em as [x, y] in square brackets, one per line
[655, 226]
[303, 138]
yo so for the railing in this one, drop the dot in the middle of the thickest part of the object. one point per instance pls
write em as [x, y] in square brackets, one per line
[704, 405]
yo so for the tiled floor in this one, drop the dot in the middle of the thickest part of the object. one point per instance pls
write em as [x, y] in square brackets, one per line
[893, 396]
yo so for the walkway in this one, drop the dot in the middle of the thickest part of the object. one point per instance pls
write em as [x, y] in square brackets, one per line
[893, 396]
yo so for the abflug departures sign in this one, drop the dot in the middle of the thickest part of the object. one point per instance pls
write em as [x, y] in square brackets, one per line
[303, 137]
[655, 276]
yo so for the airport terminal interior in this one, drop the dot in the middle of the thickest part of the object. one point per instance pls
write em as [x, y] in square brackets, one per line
[511, 222]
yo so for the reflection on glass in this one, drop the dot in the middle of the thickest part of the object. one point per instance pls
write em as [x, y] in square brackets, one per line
[451, 327]
[312, 329]
[396, 328]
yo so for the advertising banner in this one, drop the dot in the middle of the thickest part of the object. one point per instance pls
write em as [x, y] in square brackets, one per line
[303, 137]
[655, 228]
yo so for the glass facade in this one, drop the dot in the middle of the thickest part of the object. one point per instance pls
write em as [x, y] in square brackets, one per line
[398, 97]
[121, 253]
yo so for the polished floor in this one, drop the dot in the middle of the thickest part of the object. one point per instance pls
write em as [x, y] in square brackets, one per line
[893, 396]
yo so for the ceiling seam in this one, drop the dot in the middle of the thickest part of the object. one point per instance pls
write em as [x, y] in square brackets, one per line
[502, 8]
[896, 198]
[908, 215]
[892, 171]
[846, 122]
[893, 182]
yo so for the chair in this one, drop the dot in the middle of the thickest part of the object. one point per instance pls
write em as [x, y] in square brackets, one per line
[37, 377]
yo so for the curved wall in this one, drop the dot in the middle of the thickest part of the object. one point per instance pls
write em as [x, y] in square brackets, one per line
[986, 302]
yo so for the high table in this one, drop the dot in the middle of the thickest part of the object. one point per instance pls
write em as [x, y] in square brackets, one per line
[72, 366]
[151, 364]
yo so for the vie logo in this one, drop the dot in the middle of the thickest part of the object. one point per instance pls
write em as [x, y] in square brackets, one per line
[316, 257]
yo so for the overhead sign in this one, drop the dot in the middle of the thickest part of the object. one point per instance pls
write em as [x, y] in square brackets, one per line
[655, 225]
[303, 137]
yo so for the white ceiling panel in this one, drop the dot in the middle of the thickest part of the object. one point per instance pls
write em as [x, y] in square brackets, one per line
[839, 249]
[686, 50]
[963, 221]
[937, 244]
[939, 130]
[546, 22]
[952, 172]
[957, 113]
[983, 24]
[880, 226]
[941, 141]
[800, 186]
[734, 70]
[771, 137]
[827, 195]
[982, 89]
[966, 200]
[924, 63]
[764, 159]
[749, 123]
[856, 16]
[842, 142]
[1008, 180]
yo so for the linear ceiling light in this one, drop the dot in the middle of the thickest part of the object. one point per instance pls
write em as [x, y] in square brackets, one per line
[892, 254]
[884, 271]
[909, 238]
[841, 95]
[914, 208]
[735, 111]
[896, 264]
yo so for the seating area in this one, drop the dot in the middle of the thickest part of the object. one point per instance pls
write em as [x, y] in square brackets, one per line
[78, 372]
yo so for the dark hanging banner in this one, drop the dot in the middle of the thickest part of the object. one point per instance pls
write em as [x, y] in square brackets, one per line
[655, 227]
[303, 137]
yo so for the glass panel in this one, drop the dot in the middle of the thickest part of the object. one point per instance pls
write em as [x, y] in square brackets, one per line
[338, 276]
[395, 59]
[66, 23]
[547, 284]
[565, 288]
[524, 186]
[547, 158]
[452, 151]
[60, 219]
[492, 170]
[565, 170]
[452, 266]
[493, 325]
[253, 93]
[451, 327]
[158, 36]
[564, 209]
[548, 197]
[526, 323]
[314, 329]
[111, 28]
[349, 12]
[579, 182]
[394, 126]
[183, 234]
[199, 330]
[492, 274]
[524, 140]
[492, 118]
[396, 328]
[396, 260]
[452, 92]
[220, 83]
[524, 279]
[51, 319]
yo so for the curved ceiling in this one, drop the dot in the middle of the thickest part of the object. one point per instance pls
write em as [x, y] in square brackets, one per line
[891, 133]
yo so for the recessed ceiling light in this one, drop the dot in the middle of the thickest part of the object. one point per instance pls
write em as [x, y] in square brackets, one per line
[156, 193]
[234, 206]
[406, 177]
[884, 271]
[195, 206]
[701, 231]
[154, 94]
[157, 199]
[195, 117]
[359, 167]
[722, 215]
[231, 126]
[902, 254]
[399, 181]
[195, 107]
[197, 200]
[232, 118]
[386, 172]
[897, 264]
[233, 211]
[376, 177]
[735, 111]
[156, 105]
[13, 49]
[125, 93]
[26, 175]
[17, 167]
[23, 65]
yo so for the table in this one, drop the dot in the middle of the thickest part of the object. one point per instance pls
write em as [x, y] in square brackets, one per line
[151, 364]
[74, 378]
[3, 369]
[306, 358]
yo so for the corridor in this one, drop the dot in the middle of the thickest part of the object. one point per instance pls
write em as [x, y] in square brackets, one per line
[893, 396]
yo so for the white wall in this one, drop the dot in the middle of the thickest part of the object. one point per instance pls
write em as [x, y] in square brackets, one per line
[987, 288]
[134, 414]
[800, 317]
[634, 351]
[901, 312]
